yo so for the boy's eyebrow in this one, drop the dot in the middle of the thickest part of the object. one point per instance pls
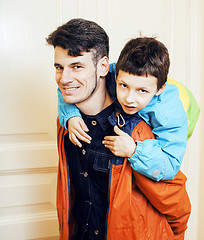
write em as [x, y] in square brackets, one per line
[121, 80]
[139, 87]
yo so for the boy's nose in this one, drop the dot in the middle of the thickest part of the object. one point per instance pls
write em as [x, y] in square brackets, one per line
[130, 98]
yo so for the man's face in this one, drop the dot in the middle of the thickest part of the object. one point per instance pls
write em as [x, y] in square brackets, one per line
[75, 76]
[135, 92]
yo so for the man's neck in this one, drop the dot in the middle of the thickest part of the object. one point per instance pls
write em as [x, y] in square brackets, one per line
[98, 101]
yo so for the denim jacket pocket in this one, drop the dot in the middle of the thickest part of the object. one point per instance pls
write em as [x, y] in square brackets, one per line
[102, 162]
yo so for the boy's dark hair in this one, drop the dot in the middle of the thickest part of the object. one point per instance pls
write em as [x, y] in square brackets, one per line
[145, 56]
[80, 35]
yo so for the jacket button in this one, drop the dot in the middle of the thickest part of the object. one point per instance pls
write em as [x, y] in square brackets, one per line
[85, 174]
[96, 232]
[93, 123]
[156, 173]
[83, 152]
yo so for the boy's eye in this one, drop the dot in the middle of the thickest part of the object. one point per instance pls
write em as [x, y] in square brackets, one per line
[123, 85]
[143, 91]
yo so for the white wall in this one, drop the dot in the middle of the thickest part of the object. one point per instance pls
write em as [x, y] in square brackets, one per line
[28, 157]
[201, 130]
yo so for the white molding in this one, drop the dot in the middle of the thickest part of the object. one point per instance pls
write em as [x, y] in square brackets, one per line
[35, 228]
[46, 238]
[59, 9]
[27, 146]
[29, 218]
[28, 171]
[194, 84]
[102, 15]
[193, 69]
[172, 34]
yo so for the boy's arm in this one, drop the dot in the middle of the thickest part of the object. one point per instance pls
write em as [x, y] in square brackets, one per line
[69, 116]
[173, 120]
[156, 162]
[161, 158]
[168, 197]
[65, 110]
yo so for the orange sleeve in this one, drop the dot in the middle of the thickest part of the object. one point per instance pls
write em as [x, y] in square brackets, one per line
[169, 197]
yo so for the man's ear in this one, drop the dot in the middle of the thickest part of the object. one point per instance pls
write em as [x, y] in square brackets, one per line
[103, 66]
[161, 90]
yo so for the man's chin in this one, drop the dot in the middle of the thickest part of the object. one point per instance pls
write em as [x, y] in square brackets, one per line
[69, 100]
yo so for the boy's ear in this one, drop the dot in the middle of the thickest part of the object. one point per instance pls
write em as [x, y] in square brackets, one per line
[161, 90]
[103, 65]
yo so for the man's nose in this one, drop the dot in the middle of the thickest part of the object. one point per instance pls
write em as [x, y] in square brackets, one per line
[66, 76]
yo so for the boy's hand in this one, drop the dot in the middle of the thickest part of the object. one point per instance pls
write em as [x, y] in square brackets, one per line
[77, 130]
[122, 145]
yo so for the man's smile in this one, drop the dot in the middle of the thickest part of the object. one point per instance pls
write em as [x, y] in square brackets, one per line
[68, 90]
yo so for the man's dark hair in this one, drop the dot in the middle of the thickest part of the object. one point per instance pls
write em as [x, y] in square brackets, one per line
[145, 56]
[80, 35]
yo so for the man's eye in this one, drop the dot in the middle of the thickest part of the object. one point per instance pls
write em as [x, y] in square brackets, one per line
[77, 67]
[58, 68]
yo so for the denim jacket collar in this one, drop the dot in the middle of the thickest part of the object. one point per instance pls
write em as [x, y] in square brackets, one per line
[102, 117]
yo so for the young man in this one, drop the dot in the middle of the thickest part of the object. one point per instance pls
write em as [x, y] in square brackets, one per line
[99, 196]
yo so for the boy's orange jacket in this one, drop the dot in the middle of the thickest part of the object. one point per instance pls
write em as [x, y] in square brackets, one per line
[139, 208]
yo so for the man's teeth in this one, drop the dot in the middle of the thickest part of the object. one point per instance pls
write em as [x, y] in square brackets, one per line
[71, 88]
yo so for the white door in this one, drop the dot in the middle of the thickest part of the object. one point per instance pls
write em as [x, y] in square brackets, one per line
[28, 99]
[28, 155]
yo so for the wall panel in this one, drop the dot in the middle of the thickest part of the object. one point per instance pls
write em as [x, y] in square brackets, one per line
[28, 154]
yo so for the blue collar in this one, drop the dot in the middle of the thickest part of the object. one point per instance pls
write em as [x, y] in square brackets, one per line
[125, 121]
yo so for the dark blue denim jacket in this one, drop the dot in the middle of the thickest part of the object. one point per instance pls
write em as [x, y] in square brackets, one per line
[89, 169]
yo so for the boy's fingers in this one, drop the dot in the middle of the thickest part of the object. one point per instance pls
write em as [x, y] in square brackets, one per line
[108, 144]
[81, 134]
[83, 126]
[74, 140]
[110, 138]
[118, 131]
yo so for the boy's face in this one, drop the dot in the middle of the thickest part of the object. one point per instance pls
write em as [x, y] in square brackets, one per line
[135, 92]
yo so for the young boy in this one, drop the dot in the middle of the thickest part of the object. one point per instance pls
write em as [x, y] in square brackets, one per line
[141, 79]
[172, 120]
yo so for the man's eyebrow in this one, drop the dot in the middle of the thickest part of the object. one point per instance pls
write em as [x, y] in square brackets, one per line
[57, 65]
[76, 63]
[71, 64]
